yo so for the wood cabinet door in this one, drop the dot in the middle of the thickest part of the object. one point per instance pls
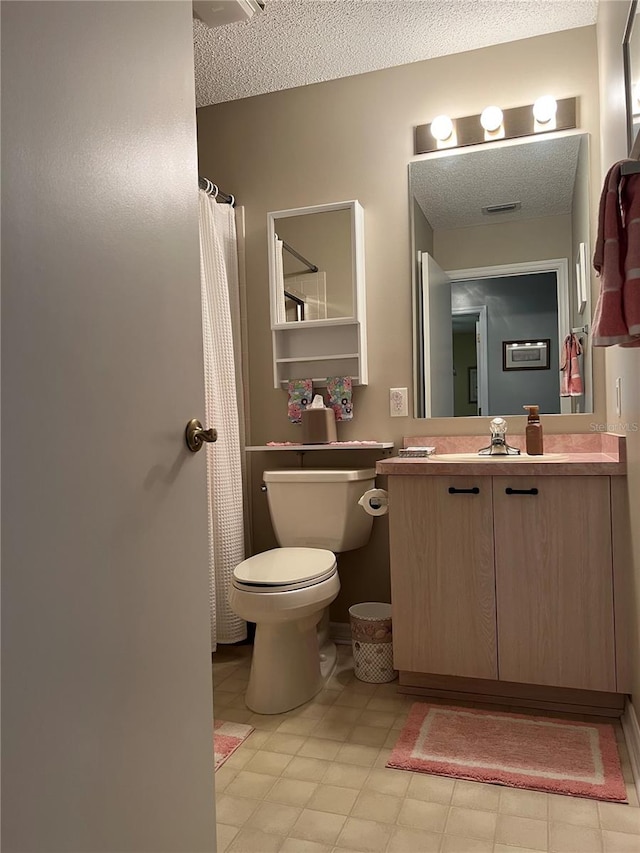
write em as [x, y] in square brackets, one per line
[442, 575]
[554, 583]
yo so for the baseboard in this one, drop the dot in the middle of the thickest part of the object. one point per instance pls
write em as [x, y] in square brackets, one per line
[526, 696]
[631, 729]
[340, 632]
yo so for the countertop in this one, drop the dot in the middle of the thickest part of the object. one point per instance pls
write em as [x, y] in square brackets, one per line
[601, 454]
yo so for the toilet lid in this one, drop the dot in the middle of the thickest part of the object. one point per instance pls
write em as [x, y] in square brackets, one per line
[283, 566]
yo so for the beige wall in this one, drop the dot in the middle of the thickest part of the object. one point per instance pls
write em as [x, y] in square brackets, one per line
[621, 362]
[353, 138]
[504, 243]
[421, 231]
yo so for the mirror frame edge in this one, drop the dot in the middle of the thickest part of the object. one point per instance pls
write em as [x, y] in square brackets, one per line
[357, 256]
[419, 401]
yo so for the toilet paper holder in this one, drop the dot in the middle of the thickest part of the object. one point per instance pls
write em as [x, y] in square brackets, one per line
[375, 502]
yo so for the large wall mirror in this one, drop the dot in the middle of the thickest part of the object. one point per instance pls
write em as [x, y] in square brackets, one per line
[501, 277]
[631, 52]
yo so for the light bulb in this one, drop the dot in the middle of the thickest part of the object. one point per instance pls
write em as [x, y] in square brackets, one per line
[441, 128]
[545, 109]
[491, 118]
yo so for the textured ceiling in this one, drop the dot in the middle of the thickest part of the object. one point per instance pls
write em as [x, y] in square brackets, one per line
[297, 42]
[452, 190]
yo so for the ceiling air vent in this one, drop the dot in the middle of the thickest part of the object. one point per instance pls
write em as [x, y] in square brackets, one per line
[501, 208]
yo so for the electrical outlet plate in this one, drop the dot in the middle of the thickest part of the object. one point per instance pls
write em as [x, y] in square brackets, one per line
[399, 402]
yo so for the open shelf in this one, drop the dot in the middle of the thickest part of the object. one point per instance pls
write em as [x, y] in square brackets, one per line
[328, 348]
[317, 358]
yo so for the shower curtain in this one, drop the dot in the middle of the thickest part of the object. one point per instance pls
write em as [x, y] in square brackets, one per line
[220, 301]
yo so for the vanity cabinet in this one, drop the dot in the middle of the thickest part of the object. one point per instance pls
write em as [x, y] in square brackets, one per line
[554, 581]
[443, 576]
[508, 578]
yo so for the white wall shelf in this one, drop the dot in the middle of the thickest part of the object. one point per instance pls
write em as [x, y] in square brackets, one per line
[335, 346]
[317, 358]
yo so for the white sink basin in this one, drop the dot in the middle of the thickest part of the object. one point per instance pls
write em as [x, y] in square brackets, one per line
[473, 457]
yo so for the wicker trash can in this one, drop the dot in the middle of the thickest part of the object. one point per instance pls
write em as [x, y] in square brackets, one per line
[371, 640]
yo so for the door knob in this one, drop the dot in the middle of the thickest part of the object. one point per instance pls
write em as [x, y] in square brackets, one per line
[195, 435]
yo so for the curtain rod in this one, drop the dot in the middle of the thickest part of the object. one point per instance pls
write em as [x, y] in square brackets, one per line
[312, 267]
[212, 189]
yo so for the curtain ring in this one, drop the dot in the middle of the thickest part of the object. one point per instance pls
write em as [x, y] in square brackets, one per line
[232, 200]
[214, 190]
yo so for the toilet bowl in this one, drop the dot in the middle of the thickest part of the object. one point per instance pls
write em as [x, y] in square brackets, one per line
[287, 591]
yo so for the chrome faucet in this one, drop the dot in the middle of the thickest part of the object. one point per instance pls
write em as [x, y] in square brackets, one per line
[499, 446]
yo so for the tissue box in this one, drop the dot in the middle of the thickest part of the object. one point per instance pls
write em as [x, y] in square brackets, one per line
[318, 426]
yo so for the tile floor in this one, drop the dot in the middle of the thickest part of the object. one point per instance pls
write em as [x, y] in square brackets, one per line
[314, 781]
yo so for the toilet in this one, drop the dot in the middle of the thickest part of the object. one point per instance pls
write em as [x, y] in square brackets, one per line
[287, 591]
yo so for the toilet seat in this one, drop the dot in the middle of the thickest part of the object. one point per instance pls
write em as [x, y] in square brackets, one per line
[283, 569]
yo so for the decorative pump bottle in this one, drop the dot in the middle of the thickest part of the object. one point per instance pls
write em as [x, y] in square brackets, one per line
[533, 432]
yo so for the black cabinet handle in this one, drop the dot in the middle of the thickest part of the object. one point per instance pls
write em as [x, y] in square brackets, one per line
[510, 491]
[474, 491]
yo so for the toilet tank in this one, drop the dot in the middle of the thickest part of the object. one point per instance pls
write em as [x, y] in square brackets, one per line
[318, 508]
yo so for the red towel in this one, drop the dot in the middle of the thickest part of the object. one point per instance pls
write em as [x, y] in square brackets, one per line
[571, 380]
[631, 288]
[617, 260]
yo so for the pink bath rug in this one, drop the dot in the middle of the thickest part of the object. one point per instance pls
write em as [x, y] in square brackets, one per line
[518, 750]
[227, 737]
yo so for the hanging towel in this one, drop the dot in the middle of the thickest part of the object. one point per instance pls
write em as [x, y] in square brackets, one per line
[571, 380]
[617, 260]
[300, 393]
[631, 287]
[339, 389]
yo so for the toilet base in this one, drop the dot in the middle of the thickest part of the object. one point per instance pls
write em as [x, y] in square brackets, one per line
[328, 660]
[288, 666]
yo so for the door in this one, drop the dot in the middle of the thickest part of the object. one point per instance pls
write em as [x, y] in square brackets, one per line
[106, 703]
[438, 339]
[554, 581]
[470, 359]
[442, 575]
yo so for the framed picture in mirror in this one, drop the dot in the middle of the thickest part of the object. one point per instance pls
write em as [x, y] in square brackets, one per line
[526, 355]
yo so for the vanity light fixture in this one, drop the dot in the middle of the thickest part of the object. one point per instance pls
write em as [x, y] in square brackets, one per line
[443, 131]
[491, 119]
[544, 116]
[441, 128]
[544, 113]
[545, 109]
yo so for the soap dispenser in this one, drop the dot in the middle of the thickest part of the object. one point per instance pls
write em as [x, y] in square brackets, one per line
[533, 432]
